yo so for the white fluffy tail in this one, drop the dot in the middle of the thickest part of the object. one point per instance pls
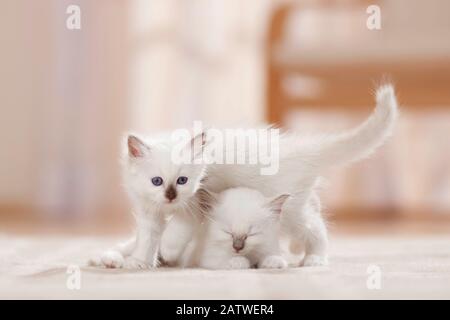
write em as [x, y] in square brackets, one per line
[362, 141]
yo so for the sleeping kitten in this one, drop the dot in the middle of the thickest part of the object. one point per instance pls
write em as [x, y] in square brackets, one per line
[158, 189]
[242, 232]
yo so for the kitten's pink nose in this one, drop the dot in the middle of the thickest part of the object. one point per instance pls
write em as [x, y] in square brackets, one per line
[238, 244]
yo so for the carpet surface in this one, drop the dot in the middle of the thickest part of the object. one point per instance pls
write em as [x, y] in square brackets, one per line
[410, 267]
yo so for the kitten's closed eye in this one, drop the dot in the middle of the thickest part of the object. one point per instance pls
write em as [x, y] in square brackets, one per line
[253, 234]
[253, 231]
[227, 232]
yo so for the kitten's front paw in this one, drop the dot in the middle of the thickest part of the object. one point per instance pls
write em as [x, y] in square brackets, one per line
[133, 263]
[314, 260]
[112, 259]
[274, 262]
[239, 263]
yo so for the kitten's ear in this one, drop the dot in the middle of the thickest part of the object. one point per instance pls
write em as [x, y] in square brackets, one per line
[206, 199]
[277, 203]
[136, 147]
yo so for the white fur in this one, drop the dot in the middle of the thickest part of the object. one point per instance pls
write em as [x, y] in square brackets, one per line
[238, 262]
[151, 208]
[240, 214]
[302, 160]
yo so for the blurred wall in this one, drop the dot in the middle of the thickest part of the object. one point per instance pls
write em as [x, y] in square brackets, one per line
[197, 60]
[25, 60]
[63, 99]
[323, 63]
[68, 95]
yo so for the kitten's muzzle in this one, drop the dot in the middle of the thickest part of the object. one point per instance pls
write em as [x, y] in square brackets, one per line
[238, 243]
[171, 193]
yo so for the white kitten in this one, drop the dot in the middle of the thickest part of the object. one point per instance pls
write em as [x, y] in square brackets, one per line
[242, 232]
[158, 188]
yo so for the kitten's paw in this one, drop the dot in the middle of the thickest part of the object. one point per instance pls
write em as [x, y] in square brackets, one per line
[274, 262]
[238, 263]
[133, 263]
[112, 259]
[169, 256]
[313, 260]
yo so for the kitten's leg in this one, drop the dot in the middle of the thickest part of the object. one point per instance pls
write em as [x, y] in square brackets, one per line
[271, 254]
[144, 254]
[239, 262]
[126, 247]
[273, 262]
[316, 242]
[175, 238]
[307, 226]
[296, 247]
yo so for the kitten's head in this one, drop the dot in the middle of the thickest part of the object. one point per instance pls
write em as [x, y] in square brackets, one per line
[150, 173]
[242, 220]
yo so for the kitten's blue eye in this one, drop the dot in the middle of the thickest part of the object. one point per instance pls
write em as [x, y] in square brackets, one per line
[157, 181]
[182, 180]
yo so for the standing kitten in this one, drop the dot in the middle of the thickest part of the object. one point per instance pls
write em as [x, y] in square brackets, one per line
[242, 232]
[302, 160]
[158, 189]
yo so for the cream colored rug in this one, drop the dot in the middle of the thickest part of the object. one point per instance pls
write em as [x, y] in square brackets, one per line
[409, 267]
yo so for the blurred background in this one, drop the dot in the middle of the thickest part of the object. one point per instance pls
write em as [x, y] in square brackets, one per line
[67, 97]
